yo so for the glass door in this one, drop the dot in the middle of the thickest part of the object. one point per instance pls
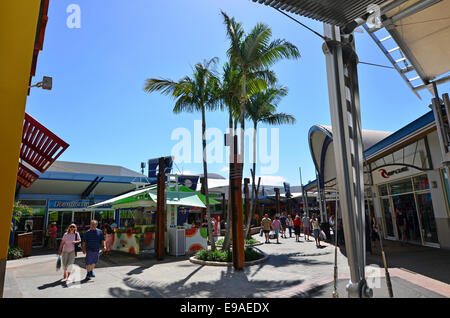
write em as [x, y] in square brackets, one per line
[82, 220]
[64, 220]
[387, 216]
[406, 204]
[429, 229]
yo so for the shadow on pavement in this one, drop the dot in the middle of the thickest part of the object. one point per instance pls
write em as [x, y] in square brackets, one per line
[232, 283]
[427, 261]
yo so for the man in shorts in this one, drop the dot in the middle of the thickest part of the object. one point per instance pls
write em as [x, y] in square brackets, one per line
[92, 241]
[266, 224]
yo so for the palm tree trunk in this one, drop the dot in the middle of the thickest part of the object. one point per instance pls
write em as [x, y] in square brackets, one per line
[205, 177]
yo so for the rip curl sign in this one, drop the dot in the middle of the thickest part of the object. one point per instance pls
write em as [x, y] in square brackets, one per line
[385, 174]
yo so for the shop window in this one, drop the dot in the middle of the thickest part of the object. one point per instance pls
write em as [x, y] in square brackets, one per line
[403, 186]
[428, 221]
[447, 188]
[421, 183]
[383, 189]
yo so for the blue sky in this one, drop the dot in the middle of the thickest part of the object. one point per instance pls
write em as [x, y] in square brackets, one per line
[98, 106]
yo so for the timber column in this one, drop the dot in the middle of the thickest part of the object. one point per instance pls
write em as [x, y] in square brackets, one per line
[160, 211]
[237, 220]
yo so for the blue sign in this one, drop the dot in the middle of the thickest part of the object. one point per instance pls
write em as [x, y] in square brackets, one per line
[72, 204]
[188, 181]
[153, 166]
[287, 189]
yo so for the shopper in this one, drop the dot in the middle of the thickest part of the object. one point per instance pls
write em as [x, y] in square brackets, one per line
[108, 233]
[401, 224]
[306, 226]
[67, 249]
[297, 222]
[332, 222]
[52, 239]
[276, 226]
[266, 224]
[283, 220]
[93, 240]
[316, 229]
[290, 224]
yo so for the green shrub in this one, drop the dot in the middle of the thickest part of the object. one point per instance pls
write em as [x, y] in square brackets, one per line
[15, 253]
[227, 256]
[250, 241]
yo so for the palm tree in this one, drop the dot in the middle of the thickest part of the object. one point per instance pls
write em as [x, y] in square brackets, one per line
[261, 108]
[198, 93]
[254, 53]
[229, 93]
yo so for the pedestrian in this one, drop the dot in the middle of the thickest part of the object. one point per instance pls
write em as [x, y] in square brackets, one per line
[290, 224]
[276, 226]
[283, 220]
[67, 249]
[52, 239]
[297, 223]
[401, 224]
[332, 222]
[108, 233]
[93, 240]
[266, 224]
[316, 229]
[306, 226]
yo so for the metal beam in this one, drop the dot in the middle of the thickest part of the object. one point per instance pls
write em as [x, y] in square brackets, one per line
[341, 61]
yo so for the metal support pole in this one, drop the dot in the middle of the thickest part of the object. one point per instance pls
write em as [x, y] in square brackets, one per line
[304, 195]
[341, 61]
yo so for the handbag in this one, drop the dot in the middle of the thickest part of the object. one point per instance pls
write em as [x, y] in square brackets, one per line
[58, 263]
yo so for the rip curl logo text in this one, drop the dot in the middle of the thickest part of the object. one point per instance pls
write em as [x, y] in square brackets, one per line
[386, 174]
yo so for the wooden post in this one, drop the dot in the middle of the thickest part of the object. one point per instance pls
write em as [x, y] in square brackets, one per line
[237, 220]
[160, 211]
[246, 200]
[277, 200]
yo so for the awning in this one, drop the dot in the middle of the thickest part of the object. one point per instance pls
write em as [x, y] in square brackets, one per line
[148, 197]
[40, 148]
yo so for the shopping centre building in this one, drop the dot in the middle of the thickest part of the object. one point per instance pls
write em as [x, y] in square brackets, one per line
[402, 171]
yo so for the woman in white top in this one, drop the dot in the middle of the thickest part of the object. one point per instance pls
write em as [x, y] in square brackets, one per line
[67, 248]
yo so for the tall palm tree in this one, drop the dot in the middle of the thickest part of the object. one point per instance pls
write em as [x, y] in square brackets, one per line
[229, 93]
[254, 53]
[261, 108]
[198, 93]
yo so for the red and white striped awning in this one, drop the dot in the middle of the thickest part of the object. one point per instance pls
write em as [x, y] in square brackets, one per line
[40, 148]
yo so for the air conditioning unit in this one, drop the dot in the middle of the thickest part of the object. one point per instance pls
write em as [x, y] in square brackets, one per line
[177, 242]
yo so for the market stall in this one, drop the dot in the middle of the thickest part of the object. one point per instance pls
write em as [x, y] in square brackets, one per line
[135, 233]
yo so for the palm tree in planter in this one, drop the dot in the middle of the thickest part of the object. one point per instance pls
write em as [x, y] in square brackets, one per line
[229, 93]
[192, 94]
[261, 108]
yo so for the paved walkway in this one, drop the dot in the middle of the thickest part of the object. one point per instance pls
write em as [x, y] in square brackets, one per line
[292, 270]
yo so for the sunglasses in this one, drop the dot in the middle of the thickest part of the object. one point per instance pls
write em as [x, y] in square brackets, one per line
[71, 227]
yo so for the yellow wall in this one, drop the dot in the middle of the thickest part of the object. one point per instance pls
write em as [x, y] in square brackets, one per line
[18, 22]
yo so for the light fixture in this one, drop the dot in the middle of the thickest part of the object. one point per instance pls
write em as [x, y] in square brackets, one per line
[46, 83]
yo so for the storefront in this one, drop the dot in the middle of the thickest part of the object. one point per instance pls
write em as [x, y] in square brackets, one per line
[66, 212]
[403, 173]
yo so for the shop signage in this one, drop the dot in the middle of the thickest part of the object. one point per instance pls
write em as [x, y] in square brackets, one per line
[385, 174]
[71, 204]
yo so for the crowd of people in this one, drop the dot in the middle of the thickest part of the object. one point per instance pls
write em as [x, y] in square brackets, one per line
[284, 223]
